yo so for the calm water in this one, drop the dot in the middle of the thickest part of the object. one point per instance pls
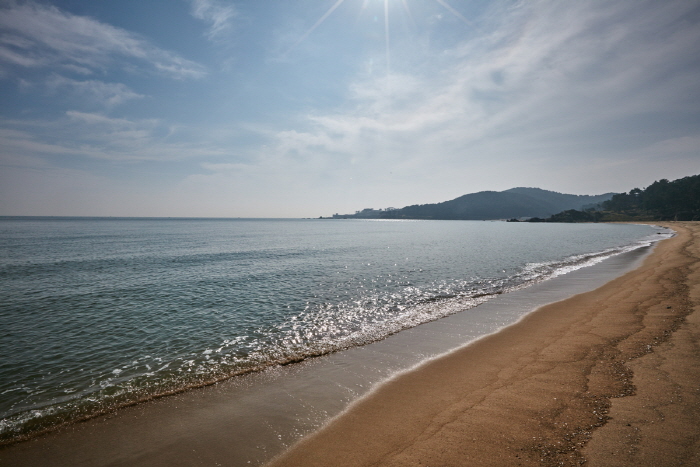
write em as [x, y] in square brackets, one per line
[97, 313]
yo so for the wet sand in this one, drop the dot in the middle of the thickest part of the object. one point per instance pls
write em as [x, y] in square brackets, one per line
[609, 377]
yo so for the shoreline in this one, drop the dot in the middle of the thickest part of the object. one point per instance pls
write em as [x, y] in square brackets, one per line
[189, 426]
[607, 377]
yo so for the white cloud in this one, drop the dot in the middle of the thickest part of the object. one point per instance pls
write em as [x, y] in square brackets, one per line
[219, 14]
[98, 92]
[554, 97]
[96, 136]
[556, 84]
[224, 167]
[36, 35]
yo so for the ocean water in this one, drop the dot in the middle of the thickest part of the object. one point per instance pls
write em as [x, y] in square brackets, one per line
[100, 313]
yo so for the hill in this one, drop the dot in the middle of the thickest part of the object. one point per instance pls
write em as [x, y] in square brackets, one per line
[678, 200]
[486, 205]
[662, 200]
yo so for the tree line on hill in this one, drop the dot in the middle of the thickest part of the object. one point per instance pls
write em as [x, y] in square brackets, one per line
[663, 200]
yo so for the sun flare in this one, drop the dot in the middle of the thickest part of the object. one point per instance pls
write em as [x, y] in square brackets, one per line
[365, 5]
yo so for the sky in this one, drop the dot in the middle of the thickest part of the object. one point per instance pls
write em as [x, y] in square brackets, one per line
[306, 108]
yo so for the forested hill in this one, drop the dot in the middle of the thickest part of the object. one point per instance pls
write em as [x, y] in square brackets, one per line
[513, 203]
[662, 200]
[678, 200]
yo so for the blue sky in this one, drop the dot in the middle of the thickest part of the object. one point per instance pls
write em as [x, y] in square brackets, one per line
[302, 108]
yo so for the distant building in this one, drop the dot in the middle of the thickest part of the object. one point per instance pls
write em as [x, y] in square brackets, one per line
[366, 213]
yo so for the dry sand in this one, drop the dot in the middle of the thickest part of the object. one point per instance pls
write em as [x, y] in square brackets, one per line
[606, 378]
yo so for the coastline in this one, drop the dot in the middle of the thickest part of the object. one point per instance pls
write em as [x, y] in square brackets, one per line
[607, 377]
[203, 427]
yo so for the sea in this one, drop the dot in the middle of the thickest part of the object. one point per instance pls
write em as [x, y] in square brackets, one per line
[101, 313]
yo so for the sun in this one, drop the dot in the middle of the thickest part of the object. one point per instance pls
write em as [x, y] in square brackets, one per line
[365, 4]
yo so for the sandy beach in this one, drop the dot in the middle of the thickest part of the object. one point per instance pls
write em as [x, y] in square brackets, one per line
[605, 378]
[608, 377]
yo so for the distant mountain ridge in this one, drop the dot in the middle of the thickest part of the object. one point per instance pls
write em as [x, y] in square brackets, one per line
[487, 205]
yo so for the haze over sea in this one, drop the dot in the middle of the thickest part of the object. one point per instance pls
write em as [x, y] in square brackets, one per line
[102, 312]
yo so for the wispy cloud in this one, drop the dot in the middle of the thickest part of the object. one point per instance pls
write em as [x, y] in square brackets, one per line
[97, 93]
[548, 78]
[36, 35]
[218, 14]
[97, 136]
